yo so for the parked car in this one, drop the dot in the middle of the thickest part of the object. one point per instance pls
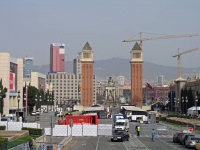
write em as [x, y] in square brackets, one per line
[120, 136]
[191, 141]
[185, 137]
[33, 113]
[37, 112]
[176, 137]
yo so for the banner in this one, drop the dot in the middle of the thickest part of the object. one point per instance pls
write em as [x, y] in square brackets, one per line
[12, 81]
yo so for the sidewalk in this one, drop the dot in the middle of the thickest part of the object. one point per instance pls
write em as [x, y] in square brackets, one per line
[178, 129]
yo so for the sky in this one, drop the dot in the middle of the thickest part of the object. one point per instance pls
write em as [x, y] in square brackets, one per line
[27, 28]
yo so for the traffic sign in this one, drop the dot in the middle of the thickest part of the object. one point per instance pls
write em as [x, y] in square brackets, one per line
[190, 129]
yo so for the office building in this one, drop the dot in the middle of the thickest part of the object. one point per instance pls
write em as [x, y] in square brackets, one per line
[11, 73]
[120, 80]
[57, 57]
[161, 80]
[77, 65]
[65, 86]
[28, 66]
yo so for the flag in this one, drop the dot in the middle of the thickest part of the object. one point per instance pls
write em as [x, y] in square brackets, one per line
[79, 88]
[149, 86]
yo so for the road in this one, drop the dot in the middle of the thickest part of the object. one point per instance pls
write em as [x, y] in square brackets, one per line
[162, 142]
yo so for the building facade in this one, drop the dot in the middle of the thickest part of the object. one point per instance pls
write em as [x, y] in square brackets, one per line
[28, 66]
[161, 80]
[65, 86]
[11, 73]
[57, 57]
[77, 66]
[87, 75]
[136, 75]
[121, 80]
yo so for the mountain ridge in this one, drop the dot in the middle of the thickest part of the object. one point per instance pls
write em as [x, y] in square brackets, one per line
[121, 67]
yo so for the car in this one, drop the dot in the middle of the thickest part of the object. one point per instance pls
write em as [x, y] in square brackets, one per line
[191, 141]
[184, 138]
[33, 113]
[120, 136]
[177, 136]
[37, 112]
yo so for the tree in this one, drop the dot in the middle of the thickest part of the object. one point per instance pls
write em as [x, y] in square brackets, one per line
[32, 92]
[3, 92]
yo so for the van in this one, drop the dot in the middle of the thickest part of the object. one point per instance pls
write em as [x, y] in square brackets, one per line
[122, 124]
[12, 117]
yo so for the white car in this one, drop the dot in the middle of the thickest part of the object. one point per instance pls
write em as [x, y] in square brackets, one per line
[33, 113]
[37, 112]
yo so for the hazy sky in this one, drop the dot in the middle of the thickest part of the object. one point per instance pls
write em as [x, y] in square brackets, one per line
[27, 28]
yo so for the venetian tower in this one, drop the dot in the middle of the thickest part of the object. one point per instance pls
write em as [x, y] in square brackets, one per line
[136, 75]
[87, 75]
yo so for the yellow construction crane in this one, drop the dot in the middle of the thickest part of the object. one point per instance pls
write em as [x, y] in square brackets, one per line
[159, 38]
[179, 59]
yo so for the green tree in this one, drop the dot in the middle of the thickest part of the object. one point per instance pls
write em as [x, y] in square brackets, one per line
[32, 92]
[3, 92]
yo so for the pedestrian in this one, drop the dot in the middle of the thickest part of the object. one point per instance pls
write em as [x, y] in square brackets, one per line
[124, 128]
[34, 144]
[138, 130]
[153, 135]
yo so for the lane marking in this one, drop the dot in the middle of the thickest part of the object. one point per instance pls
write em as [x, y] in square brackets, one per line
[142, 144]
[125, 146]
[97, 143]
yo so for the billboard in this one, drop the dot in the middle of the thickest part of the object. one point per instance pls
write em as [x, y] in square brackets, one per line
[12, 81]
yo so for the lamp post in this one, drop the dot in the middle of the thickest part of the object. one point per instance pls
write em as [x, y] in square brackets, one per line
[186, 101]
[1, 102]
[18, 100]
[40, 104]
[47, 104]
[178, 105]
[196, 100]
[175, 103]
[35, 105]
[182, 104]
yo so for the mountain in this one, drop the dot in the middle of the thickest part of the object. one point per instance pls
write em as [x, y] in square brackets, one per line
[121, 67]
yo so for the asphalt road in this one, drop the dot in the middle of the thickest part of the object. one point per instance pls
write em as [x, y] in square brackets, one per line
[162, 142]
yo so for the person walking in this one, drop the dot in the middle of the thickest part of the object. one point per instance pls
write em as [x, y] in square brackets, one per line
[34, 145]
[153, 135]
[138, 130]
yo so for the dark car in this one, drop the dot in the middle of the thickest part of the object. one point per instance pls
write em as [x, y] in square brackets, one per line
[120, 136]
[176, 137]
[184, 138]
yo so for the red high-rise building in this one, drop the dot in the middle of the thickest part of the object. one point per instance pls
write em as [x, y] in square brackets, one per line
[57, 57]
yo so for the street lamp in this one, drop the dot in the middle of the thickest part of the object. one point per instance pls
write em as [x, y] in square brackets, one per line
[196, 100]
[18, 99]
[47, 104]
[35, 105]
[40, 104]
[182, 104]
[175, 103]
[186, 101]
[1, 102]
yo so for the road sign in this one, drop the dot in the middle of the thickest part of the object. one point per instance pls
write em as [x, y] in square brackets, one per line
[190, 129]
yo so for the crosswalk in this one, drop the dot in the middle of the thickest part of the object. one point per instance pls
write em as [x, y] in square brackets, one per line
[157, 136]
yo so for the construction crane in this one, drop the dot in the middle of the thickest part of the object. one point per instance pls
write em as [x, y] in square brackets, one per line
[159, 38]
[179, 59]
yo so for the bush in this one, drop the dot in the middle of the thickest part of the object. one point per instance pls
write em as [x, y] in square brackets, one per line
[162, 118]
[33, 131]
[172, 115]
[2, 127]
[3, 143]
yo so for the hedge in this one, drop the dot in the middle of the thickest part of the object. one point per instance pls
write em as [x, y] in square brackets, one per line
[172, 115]
[162, 118]
[3, 143]
[2, 127]
[33, 131]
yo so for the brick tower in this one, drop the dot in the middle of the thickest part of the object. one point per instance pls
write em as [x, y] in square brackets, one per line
[136, 75]
[87, 75]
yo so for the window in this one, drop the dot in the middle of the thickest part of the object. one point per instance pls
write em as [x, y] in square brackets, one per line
[86, 55]
[136, 55]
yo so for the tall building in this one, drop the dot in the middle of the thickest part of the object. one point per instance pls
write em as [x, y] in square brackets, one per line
[120, 80]
[11, 73]
[136, 75]
[161, 80]
[57, 57]
[65, 86]
[87, 75]
[28, 66]
[77, 65]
